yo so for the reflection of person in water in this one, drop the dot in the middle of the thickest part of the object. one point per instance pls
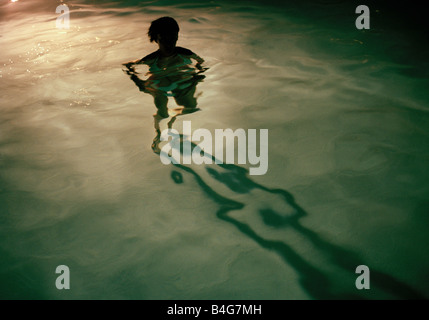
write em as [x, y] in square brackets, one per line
[171, 72]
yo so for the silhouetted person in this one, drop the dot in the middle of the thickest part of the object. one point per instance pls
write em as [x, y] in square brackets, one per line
[171, 72]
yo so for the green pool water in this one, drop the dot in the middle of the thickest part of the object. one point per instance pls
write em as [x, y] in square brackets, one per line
[347, 180]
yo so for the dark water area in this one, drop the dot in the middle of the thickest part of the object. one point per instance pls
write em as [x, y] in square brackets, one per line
[82, 184]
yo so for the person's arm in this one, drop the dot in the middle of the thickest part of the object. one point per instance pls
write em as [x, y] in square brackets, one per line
[199, 60]
[192, 55]
[129, 64]
[145, 60]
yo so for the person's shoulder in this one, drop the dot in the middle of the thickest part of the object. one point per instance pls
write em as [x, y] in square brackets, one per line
[150, 56]
[184, 51]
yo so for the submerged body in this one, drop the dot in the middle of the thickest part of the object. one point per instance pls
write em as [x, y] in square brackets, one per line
[173, 76]
[171, 70]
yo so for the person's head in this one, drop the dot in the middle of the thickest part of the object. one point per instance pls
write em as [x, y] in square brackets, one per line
[164, 31]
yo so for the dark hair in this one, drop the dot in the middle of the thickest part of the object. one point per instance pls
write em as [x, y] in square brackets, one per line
[164, 25]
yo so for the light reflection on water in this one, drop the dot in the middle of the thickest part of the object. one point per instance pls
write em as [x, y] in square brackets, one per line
[80, 185]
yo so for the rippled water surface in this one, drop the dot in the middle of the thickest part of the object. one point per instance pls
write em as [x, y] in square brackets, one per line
[347, 113]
